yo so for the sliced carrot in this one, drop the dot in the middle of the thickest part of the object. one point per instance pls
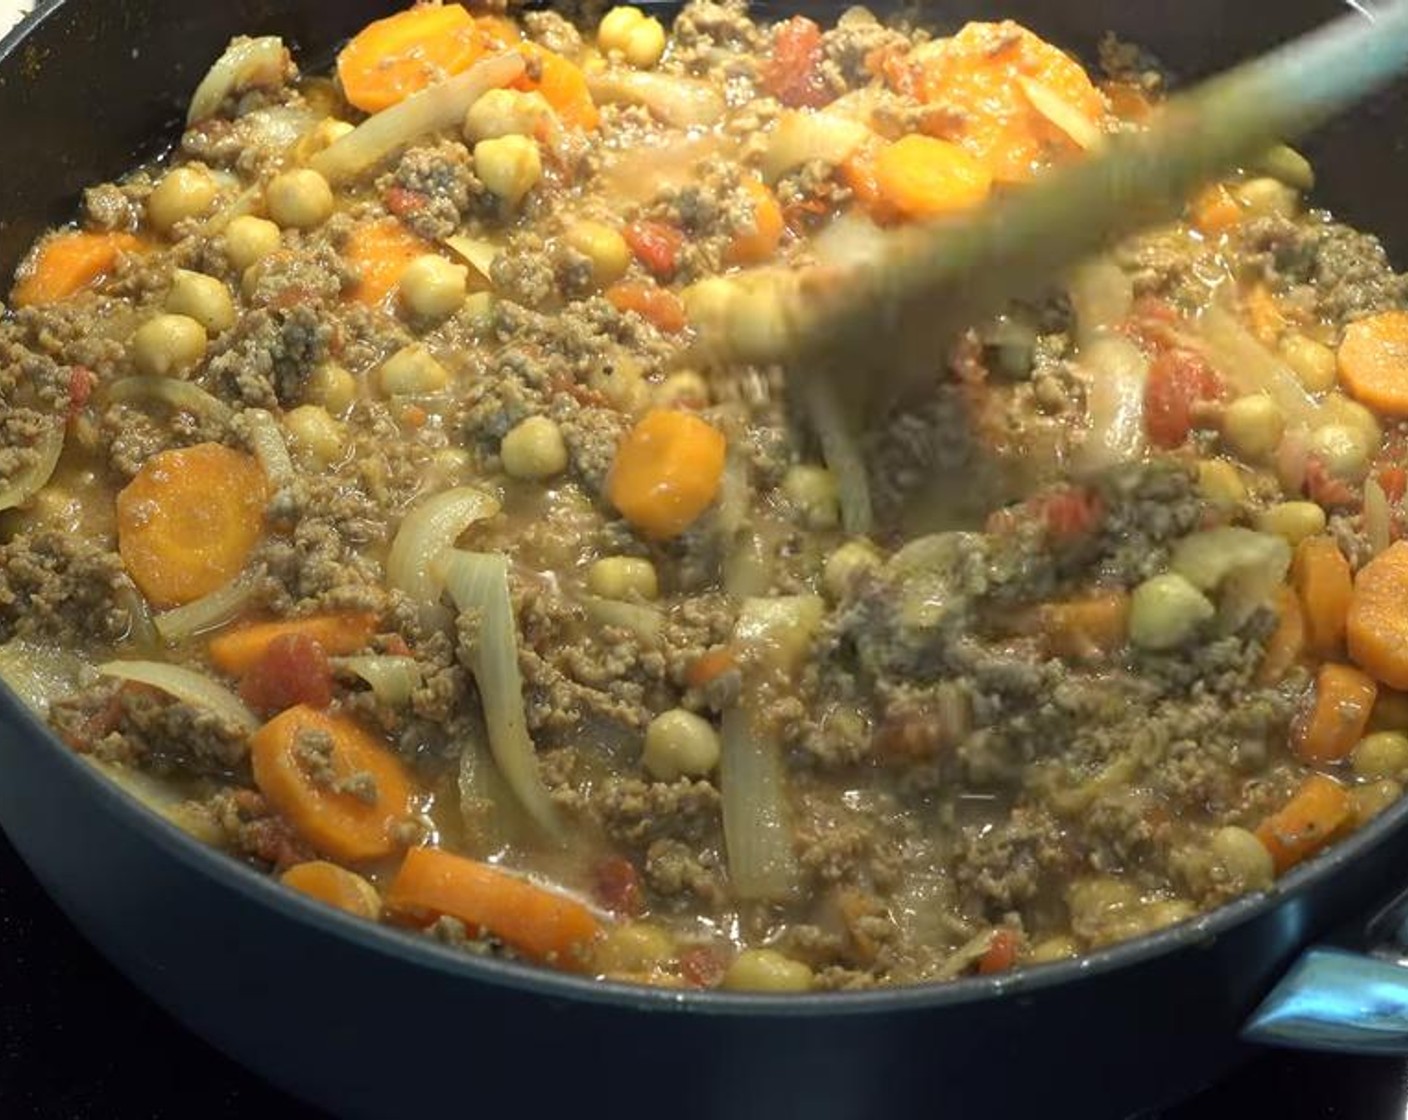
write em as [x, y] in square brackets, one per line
[1376, 628]
[666, 472]
[1214, 211]
[67, 263]
[391, 59]
[1286, 645]
[379, 252]
[709, 666]
[543, 924]
[659, 305]
[1320, 574]
[188, 521]
[1373, 362]
[237, 651]
[759, 240]
[346, 809]
[334, 885]
[562, 84]
[1307, 822]
[1338, 713]
[976, 77]
[921, 177]
[1093, 626]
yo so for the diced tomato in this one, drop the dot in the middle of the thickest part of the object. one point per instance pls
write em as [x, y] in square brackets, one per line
[1324, 489]
[293, 670]
[792, 72]
[1069, 514]
[81, 382]
[1394, 483]
[656, 245]
[616, 885]
[701, 966]
[1001, 954]
[660, 306]
[709, 666]
[1178, 379]
[402, 202]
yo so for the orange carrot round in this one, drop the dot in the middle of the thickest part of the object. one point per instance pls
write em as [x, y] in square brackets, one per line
[666, 472]
[543, 924]
[1320, 574]
[1286, 645]
[237, 651]
[188, 521]
[1373, 362]
[334, 885]
[562, 84]
[1307, 822]
[659, 305]
[1337, 716]
[380, 252]
[1376, 627]
[344, 802]
[921, 177]
[391, 59]
[67, 263]
[759, 240]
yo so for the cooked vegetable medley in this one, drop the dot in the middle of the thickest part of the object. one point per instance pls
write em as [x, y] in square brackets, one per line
[401, 493]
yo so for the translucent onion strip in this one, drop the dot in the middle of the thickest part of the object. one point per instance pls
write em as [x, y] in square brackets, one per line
[432, 526]
[392, 679]
[172, 392]
[443, 105]
[841, 450]
[1378, 524]
[642, 620]
[478, 583]
[1251, 367]
[187, 686]
[762, 865]
[679, 102]
[267, 440]
[18, 490]
[207, 612]
[477, 253]
[1081, 130]
[245, 63]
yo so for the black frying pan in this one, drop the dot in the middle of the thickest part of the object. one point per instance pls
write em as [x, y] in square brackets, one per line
[371, 1022]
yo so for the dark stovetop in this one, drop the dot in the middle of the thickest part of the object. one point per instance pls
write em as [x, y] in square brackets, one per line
[77, 1042]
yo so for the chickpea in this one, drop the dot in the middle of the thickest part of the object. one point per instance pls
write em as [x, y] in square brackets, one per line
[629, 31]
[1253, 426]
[327, 132]
[811, 491]
[249, 239]
[633, 947]
[766, 970]
[168, 346]
[1165, 611]
[412, 370]
[604, 247]
[1292, 521]
[505, 112]
[313, 430]
[332, 387]
[299, 199]
[623, 577]
[1266, 197]
[1313, 362]
[846, 564]
[680, 743]
[1372, 799]
[1342, 449]
[1353, 415]
[1057, 948]
[432, 287]
[534, 448]
[184, 192]
[203, 298]
[1382, 754]
[510, 166]
[615, 25]
[1220, 483]
[682, 388]
[1243, 857]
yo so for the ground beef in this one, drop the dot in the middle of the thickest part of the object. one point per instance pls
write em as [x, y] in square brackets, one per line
[110, 207]
[1006, 865]
[706, 32]
[63, 589]
[678, 872]
[636, 813]
[132, 725]
[857, 36]
[553, 32]
[267, 357]
[434, 189]
[252, 829]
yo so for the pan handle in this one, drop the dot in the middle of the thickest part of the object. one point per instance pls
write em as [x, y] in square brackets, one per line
[1335, 998]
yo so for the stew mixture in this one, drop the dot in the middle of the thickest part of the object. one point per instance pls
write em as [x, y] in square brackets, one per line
[401, 494]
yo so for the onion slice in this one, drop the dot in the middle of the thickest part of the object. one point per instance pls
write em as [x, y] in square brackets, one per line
[187, 686]
[1114, 402]
[841, 451]
[1251, 367]
[799, 138]
[477, 253]
[206, 613]
[642, 620]
[757, 833]
[171, 392]
[679, 102]
[19, 489]
[478, 583]
[267, 440]
[1082, 131]
[392, 679]
[1378, 523]
[246, 63]
[432, 526]
[439, 106]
